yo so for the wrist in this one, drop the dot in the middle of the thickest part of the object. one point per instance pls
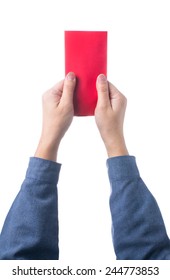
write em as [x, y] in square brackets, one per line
[116, 148]
[47, 150]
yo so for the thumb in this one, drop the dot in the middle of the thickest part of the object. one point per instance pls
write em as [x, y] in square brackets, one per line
[68, 89]
[102, 90]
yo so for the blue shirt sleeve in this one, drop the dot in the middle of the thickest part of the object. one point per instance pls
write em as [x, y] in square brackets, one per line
[138, 230]
[30, 230]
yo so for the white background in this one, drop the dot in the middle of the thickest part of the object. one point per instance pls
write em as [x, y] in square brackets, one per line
[32, 60]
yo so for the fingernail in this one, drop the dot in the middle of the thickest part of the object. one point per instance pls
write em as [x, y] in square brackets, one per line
[102, 78]
[70, 76]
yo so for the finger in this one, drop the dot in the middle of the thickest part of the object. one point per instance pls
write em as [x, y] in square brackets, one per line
[117, 99]
[114, 92]
[58, 86]
[55, 92]
[102, 90]
[68, 88]
[57, 89]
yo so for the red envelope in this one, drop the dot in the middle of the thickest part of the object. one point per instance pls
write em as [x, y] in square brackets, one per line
[86, 56]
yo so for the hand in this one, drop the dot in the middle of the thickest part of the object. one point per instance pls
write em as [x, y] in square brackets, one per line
[109, 116]
[58, 113]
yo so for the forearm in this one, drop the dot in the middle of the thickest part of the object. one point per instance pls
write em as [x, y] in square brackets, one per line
[138, 228]
[47, 149]
[116, 147]
[30, 230]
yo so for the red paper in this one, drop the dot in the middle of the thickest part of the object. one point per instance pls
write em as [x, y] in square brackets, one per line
[86, 56]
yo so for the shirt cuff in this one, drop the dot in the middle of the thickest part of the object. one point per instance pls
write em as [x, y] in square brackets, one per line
[122, 167]
[43, 170]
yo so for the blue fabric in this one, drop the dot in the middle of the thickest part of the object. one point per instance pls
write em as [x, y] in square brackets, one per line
[30, 230]
[138, 229]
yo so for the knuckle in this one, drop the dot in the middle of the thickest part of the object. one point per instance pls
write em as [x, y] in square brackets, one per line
[102, 107]
[103, 88]
[68, 85]
[123, 100]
